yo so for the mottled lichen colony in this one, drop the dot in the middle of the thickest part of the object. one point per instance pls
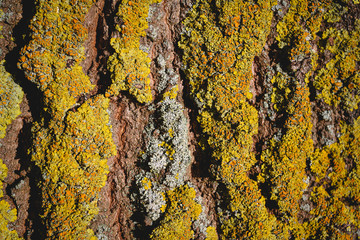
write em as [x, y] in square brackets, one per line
[288, 152]
[181, 211]
[74, 168]
[339, 81]
[71, 141]
[162, 187]
[129, 65]
[272, 114]
[220, 88]
[167, 151]
[336, 193]
[6, 214]
[284, 161]
[11, 96]
[219, 47]
[52, 58]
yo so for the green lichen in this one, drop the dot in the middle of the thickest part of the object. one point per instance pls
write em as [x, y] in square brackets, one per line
[6, 214]
[130, 66]
[11, 96]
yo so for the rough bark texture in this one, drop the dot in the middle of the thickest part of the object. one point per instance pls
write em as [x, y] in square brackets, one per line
[190, 163]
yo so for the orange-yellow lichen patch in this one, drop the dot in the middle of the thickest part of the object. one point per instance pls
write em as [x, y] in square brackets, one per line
[221, 42]
[74, 167]
[130, 66]
[341, 185]
[287, 154]
[211, 233]
[11, 96]
[52, 57]
[71, 143]
[6, 214]
[146, 183]
[299, 26]
[182, 210]
[252, 220]
[339, 80]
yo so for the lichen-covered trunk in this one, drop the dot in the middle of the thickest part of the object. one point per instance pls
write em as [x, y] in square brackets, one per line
[179, 119]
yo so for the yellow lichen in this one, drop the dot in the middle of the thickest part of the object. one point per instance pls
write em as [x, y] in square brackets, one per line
[163, 207]
[252, 220]
[339, 81]
[146, 183]
[74, 168]
[288, 152]
[52, 58]
[337, 186]
[286, 156]
[171, 132]
[11, 96]
[295, 35]
[130, 66]
[219, 50]
[172, 93]
[71, 142]
[6, 214]
[169, 150]
[182, 210]
[211, 233]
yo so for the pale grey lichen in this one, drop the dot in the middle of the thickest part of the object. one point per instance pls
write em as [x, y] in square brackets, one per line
[305, 207]
[102, 231]
[154, 10]
[202, 222]
[167, 148]
[173, 120]
[151, 196]
[167, 75]
[157, 160]
[326, 115]
[166, 155]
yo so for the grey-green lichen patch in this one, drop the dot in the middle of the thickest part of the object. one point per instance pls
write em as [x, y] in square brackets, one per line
[166, 75]
[152, 196]
[101, 232]
[166, 156]
[202, 223]
[167, 147]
